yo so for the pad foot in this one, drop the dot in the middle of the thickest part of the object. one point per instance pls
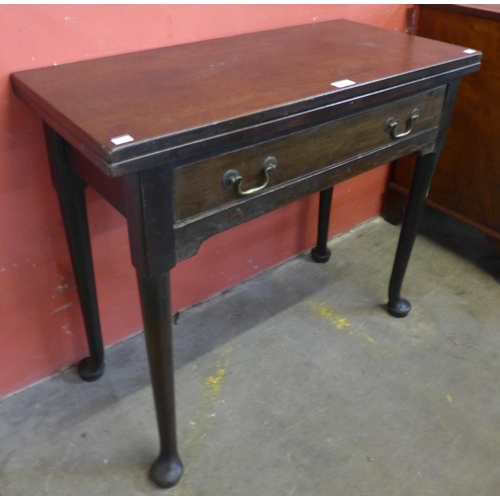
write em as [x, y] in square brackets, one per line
[90, 370]
[399, 309]
[166, 472]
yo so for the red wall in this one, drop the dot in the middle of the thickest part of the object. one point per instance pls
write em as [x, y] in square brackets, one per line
[41, 327]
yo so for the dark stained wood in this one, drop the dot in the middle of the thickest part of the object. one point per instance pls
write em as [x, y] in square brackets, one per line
[110, 188]
[71, 193]
[467, 180]
[160, 96]
[148, 207]
[422, 177]
[190, 234]
[155, 305]
[321, 253]
[198, 110]
[198, 187]
[488, 11]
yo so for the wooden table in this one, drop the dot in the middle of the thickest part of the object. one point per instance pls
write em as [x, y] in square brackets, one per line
[190, 140]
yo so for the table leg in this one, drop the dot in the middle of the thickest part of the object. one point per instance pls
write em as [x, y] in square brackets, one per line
[71, 193]
[155, 302]
[422, 177]
[321, 253]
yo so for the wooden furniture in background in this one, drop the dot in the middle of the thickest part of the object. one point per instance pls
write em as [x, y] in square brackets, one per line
[190, 140]
[467, 180]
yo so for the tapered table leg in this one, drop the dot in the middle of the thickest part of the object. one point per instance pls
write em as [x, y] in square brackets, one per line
[155, 301]
[71, 193]
[422, 177]
[321, 253]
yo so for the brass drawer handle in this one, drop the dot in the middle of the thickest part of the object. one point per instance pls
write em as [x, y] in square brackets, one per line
[232, 179]
[392, 123]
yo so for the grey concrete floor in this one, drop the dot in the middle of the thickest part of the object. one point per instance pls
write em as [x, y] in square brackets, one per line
[295, 382]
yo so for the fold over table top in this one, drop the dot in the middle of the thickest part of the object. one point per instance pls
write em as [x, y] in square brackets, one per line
[163, 98]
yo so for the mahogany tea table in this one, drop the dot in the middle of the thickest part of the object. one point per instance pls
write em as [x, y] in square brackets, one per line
[190, 140]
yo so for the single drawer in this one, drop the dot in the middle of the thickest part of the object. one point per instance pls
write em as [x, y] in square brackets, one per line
[235, 177]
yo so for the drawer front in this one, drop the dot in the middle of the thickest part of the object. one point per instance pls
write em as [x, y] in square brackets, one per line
[205, 186]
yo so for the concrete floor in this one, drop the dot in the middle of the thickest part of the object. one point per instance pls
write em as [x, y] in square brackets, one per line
[295, 382]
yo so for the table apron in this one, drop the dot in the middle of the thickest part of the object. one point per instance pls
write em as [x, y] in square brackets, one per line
[190, 234]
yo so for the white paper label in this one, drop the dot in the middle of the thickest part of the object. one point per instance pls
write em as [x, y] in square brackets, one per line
[342, 83]
[469, 51]
[122, 139]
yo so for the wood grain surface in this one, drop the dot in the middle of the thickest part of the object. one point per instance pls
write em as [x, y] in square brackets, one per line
[467, 180]
[186, 93]
[198, 187]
